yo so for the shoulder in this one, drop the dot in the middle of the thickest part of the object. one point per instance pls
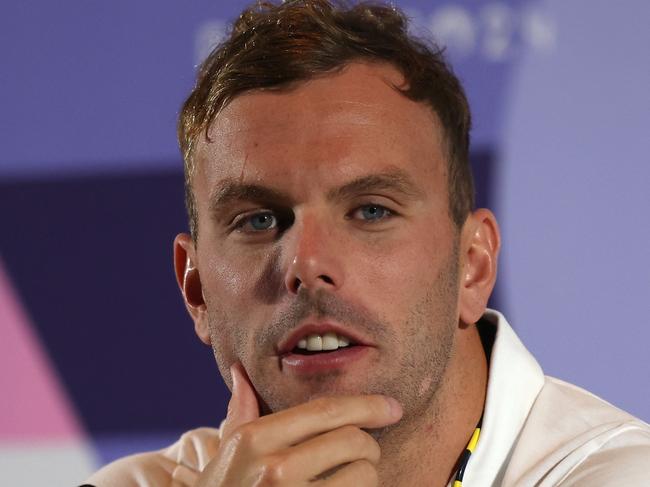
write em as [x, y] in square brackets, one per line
[613, 465]
[180, 462]
[572, 437]
[572, 410]
[150, 468]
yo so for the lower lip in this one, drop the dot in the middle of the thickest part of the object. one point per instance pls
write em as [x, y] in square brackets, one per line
[323, 362]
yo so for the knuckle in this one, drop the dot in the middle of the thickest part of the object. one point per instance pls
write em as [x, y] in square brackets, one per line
[244, 437]
[367, 472]
[272, 472]
[372, 447]
[360, 440]
[350, 432]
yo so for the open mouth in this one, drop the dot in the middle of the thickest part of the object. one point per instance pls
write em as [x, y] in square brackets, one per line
[310, 352]
[326, 343]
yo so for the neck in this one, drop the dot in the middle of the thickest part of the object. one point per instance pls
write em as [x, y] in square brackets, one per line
[425, 449]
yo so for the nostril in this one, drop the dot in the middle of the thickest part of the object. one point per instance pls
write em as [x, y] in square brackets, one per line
[296, 284]
[325, 278]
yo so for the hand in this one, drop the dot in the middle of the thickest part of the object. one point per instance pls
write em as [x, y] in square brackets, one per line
[296, 446]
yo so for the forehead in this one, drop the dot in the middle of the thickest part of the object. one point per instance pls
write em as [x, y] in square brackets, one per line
[339, 124]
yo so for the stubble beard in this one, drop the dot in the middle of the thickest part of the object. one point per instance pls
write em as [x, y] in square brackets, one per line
[430, 332]
[426, 343]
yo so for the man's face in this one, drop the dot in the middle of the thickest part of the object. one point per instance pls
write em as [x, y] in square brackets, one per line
[325, 208]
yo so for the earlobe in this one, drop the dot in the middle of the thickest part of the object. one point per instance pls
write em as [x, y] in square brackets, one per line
[189, 283]
[480, 243]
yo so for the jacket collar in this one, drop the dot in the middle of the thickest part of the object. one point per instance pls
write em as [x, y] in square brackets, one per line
[514, 381]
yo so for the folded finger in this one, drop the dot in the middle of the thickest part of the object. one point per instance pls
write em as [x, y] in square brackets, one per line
[300, 423]
[310, 459]
[361, 473]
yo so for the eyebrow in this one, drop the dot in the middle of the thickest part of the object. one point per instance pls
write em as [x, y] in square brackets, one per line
[393, 180]
[231, 191]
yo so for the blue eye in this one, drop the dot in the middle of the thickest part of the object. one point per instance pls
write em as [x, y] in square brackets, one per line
[260, 222]
[372, 212]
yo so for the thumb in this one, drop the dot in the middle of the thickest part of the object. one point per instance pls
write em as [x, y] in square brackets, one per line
[243, 407]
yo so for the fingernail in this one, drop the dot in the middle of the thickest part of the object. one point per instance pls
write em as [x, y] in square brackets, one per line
[234, 376]
[395, 407]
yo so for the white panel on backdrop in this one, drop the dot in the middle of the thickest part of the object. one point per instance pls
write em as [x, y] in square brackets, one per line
[574, 201]
[57, 463]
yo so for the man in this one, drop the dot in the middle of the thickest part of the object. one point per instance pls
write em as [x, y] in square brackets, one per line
[338, 270]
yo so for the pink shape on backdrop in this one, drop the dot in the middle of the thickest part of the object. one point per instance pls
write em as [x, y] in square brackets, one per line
[33, 404]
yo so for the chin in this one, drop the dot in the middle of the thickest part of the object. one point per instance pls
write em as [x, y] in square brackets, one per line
[305, 392]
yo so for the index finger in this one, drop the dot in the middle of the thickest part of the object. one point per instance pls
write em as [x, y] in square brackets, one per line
[299, 423]
[243, 406]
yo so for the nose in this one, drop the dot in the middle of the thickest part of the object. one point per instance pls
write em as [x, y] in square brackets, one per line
[314, 257]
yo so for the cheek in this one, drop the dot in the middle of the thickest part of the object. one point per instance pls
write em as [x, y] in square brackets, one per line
[226, 281]
[234, 279]
[224, 289]
[403, 267]
[239, 291]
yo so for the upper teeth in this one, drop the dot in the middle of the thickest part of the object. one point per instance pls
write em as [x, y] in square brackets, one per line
[328, 341]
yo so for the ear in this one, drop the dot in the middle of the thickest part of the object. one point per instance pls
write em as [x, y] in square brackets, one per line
[189, 282]
[480, 243]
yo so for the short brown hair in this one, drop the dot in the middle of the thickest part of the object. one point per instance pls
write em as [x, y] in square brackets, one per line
[275, 46]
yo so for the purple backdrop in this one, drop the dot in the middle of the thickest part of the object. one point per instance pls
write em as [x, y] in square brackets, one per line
[98, 357]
